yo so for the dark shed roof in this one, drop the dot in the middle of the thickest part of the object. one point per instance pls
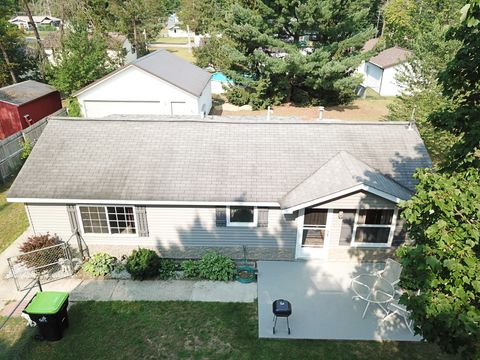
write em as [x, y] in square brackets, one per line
[24, 92]
[389, 57]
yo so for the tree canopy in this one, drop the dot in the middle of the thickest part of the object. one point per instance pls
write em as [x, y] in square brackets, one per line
[302, 51]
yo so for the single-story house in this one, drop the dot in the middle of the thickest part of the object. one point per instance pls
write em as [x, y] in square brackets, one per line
[25, 103]
[284, 189]
[119, 48]
[23, 22]
[381, 70]
[159, 83]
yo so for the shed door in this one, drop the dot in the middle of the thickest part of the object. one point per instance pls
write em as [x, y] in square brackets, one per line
[179, 108]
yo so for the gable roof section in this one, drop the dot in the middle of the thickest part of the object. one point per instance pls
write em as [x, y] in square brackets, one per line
[165, 66]
[24, 92]
[340, 173]
[208, 161]
[390, 57]
[370, 44]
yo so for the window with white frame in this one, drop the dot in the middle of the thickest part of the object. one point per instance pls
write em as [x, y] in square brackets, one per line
[374, 226]
[108, 219]
[242, 216]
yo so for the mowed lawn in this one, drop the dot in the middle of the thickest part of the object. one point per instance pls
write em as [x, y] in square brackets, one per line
[13, 220]
[185, 330]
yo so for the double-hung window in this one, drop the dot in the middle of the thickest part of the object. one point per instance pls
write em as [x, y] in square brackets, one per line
[242, 216]
[374, 227]
[108, 219]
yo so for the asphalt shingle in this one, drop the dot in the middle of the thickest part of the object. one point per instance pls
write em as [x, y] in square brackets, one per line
[24, 92]
[195, 160]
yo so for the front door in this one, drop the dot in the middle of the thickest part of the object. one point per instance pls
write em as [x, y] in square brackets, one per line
[313, 233]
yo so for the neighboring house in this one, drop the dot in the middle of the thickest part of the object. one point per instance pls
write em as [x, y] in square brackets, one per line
[284, 189]
[23, 104]
[23, 22]
[380, 71]
[119, 47]
[173, 27]
[159, 83]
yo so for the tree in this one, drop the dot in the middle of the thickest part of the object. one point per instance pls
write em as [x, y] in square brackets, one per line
[461, 84]
[422, 94]
[261, 50]
[444, 263]
[203, 17]
[82, 59]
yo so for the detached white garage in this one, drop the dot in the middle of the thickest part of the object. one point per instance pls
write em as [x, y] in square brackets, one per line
[159, 83]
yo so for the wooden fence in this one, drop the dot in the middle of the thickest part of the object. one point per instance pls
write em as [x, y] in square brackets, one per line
[11, 147]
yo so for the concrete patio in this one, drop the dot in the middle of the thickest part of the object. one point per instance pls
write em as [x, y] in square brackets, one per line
[322, 305]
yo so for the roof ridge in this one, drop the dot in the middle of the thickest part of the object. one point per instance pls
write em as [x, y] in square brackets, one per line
[245, 121]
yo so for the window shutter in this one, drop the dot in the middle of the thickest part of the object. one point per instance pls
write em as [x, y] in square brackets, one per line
[346, 232]
[262, 218]
[142, 224]
[72, 217]
[221, 216]
[400, 232]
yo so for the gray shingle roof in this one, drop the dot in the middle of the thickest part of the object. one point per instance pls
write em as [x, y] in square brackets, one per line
[343, 171]
[24, 92]
[389, 57]
[169, 68]
[193, 160]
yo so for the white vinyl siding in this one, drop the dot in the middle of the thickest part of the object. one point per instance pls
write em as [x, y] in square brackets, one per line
[49, 218]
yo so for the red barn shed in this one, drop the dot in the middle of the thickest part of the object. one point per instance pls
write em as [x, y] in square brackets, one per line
[23, 104]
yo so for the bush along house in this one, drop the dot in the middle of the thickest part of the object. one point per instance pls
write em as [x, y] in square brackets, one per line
[285, 190]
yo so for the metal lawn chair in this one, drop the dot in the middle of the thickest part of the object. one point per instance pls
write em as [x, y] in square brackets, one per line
[394, 308]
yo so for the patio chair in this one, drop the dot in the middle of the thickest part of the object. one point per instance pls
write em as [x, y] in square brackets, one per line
[391, 272]
[394, 308]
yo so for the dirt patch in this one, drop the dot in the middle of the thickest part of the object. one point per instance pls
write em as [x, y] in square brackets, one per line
[359, 110]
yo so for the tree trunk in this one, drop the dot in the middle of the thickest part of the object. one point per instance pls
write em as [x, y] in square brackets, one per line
[135, 36]
[296, 38]
[7, 61]
[43, 56]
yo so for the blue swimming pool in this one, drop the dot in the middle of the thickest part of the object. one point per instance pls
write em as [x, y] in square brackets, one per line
[219, 76]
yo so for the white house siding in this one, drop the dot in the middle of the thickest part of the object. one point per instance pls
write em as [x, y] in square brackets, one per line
[46, 218]
[205, 100]
[134, 91]
[372, 76]
[390, 86]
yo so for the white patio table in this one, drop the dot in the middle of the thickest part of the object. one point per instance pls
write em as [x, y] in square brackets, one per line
[374, 290]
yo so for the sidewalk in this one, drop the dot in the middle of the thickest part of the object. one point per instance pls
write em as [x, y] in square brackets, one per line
[131, 290]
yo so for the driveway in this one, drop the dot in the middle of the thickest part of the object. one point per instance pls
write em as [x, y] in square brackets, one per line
[322, 305]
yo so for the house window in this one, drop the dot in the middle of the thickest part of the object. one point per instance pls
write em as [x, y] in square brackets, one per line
[108, 219]
[374, 227]
[242, 216]
[314, 227]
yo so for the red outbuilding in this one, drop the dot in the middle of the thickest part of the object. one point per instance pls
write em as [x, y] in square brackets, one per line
[23, 104]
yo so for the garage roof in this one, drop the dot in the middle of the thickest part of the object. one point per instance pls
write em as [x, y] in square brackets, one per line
[169, 68]
[389, 57]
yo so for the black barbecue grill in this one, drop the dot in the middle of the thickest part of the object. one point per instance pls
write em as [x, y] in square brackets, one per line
[281, 308]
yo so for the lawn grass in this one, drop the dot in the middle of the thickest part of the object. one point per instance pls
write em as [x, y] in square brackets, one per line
[183, 53]
[188, 330]
[13, 220]
[172, 40]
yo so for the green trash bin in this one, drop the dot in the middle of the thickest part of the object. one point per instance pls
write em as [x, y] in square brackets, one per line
[49, 311]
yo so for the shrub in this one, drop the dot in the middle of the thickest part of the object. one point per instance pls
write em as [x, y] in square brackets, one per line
[143, 264]
[238, 96]
[190, 269]
[167, 269]
[100, 264]
[26, 149]
[214, 266]
[41, 258]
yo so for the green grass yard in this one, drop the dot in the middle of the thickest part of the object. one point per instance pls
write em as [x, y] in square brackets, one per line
[185, 330]
[172, 40]
[183, 53]
[13, 220]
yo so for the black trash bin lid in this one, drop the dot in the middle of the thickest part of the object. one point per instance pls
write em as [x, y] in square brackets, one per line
[46, 302]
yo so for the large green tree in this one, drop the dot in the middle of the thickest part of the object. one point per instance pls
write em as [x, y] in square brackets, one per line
[444, 215]
[261, 50]
[82, 59]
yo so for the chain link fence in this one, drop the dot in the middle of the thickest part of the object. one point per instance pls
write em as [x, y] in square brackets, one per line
[47, 264]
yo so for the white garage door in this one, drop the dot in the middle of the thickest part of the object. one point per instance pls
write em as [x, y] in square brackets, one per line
[105, 108]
